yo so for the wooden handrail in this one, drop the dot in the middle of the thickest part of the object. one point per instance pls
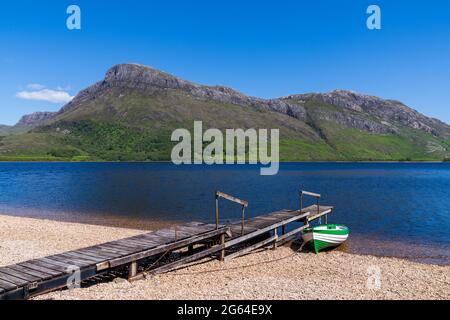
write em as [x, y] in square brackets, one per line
[243, 203]
[312, 194]
[220, 194]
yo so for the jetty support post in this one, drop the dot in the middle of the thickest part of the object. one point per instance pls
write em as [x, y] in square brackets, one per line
[222, 243]
[132, 270]
[275, 235]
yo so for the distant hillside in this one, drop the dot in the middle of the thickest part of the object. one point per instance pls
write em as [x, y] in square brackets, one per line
[131, 114]
[27, 123]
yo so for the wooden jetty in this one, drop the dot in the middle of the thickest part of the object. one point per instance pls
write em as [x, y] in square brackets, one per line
[191, 241]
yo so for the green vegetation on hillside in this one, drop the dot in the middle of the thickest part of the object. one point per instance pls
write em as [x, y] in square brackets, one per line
[130, 125]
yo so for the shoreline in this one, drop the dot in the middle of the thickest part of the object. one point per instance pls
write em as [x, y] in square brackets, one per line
[170, 162]
[131, 222]
[358, 244]
[265, 274]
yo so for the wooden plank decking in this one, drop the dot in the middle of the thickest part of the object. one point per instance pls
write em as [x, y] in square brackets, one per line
[278, 219]
[38, 276]
[260, 225]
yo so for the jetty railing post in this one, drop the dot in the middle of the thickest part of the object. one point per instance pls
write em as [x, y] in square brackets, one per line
[217, 210]
[312, 194]
[242, 220]
[243, 203]
[301, 201]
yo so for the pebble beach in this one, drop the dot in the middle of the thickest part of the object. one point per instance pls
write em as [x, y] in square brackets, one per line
[264, 274]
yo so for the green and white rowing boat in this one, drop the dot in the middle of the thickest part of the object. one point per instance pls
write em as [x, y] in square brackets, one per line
[325, 236]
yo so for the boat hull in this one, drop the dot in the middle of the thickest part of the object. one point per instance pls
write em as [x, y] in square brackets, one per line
[325, 236]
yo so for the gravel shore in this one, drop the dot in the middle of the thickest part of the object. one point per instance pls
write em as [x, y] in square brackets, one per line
[266, 274]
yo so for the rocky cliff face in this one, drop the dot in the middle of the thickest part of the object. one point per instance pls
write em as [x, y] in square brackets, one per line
[26, 123]
[390, 112]
[150, 80]
[35, 119]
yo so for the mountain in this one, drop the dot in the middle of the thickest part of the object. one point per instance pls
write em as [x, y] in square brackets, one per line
[4, 129]
[131, 113]
[35, 119]
[26, 123]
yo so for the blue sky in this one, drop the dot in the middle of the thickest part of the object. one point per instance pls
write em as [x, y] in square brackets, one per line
[262, 48]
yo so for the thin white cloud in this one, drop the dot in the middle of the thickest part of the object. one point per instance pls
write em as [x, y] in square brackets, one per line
[53, 96]
[35, 86]
[66, 88]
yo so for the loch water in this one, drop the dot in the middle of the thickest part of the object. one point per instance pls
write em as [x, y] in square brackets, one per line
[392, 209]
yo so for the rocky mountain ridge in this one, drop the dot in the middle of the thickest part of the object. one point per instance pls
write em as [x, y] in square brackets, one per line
[141, 77]
[27, 122]
[389, 112]
[35, 119]
[385, 109]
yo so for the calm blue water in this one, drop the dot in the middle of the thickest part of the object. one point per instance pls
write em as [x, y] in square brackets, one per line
[395, 209]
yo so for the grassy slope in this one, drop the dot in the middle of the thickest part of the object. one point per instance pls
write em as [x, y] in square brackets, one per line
[7, 130]
[120, 125]
[353, 144]
[139, 127]
[38, 147]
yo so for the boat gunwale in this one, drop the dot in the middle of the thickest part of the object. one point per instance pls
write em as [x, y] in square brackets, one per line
[339, 230]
